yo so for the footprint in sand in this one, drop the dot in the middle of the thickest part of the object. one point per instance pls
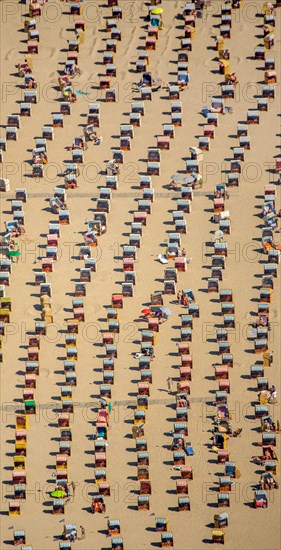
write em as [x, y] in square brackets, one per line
[45, 372]
[11, 54]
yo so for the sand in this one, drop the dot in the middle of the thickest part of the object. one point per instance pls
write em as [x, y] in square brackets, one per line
[248, 528]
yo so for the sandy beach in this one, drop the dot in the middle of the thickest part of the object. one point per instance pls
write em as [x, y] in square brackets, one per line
[248, 528]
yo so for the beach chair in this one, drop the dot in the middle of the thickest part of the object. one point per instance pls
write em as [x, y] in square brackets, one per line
[104, 488]
[139, 417]
[14, 508]
[111, 45]
[268, 92]
[4, 185]
[117, 12]
[225, 31]
[182, 80]
[176, 107]
[100, 475]
[262, 383]
[260, 499]
[32, 45]
[152, 30]
[228, 91]
[176, 119]
[19, 477]
[183, 504]
[3, 144]
[253, 116]
[270, 77]
[223, 500]
[30, 96]
[143, 502]
[111, 70]
[142, 403]
[148, 195]
[218, 536]
[219, 43]
[225, 484]
[269, 64]
[141, 444]
[167, 540]
[116, 34]
[163, 142]
[256, 371]
[182, 413]
[75, 8]
[261, 411]
[65, 435]
[58, 506]
[220, 520]
[224, 67]
[189, 30]
[161, 525]
[150, 43]
[174, 92]
[273, 256]
[19, 538]
[113, 527]
[11, 133]
[145, 487]
[225, 296]
[269, 38]
[127, 289]
[141, 66]
[25, 109]
[169, 287]
[186, 44]
[182, 487]
[213, 285]
[266, 294]
[48, 132]
[261, 345]
[269, 439]
[117, 543]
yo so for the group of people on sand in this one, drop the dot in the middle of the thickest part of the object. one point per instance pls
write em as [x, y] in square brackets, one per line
[185, 299]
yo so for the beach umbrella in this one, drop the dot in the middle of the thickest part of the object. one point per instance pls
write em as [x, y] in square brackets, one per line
[157, 11]
[162, 259]
[189, 180]
[146, 311]
[176, 177]
[14, 253]
[166, 310]
[58, 493]
[156, 309]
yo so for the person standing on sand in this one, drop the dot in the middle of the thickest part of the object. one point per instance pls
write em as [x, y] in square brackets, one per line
[170, 384]
[73, 487]
[83, 533]
[179, 295]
